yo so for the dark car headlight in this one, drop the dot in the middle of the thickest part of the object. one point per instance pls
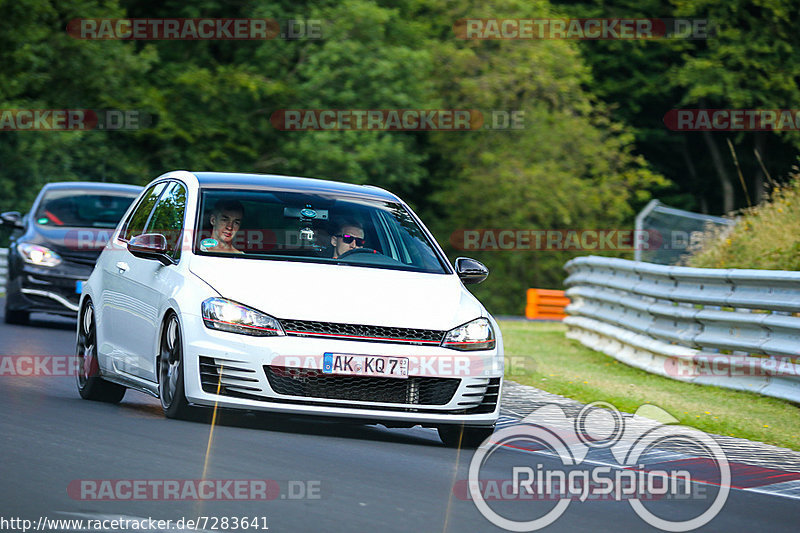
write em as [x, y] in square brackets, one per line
[475, 335]
[225, 315]
[38, 255]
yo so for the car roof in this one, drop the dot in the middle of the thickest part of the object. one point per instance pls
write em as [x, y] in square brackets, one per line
[224, 180]
[94, 186]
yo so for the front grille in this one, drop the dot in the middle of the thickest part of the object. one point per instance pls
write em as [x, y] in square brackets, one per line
[290, 381]
[360, 332]
[82, 257]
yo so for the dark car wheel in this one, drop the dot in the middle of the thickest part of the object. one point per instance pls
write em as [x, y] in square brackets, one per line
[464, 436]
[90, 385]
[170, 373]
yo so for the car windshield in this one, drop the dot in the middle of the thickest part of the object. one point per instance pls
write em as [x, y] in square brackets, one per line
[82, 209]
[313, 227]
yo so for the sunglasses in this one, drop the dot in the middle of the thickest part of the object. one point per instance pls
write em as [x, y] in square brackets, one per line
[348, 239]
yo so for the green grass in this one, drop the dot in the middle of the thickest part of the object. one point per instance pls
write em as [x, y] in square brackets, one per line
[538, 354]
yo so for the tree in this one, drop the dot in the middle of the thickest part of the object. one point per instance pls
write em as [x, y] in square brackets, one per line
[571, 166]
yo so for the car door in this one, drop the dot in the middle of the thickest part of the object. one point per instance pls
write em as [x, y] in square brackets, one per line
[154, 282]
[123, 319]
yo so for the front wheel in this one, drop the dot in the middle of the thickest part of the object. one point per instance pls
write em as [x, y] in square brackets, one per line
[170, 372]
[464, 436]
[90, 385]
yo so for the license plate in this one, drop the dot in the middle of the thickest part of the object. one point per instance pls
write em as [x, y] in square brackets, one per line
[78, 287]
[365, 365]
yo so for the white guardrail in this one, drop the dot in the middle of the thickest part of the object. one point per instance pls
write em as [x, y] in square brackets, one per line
[3, 269]
[732, 328]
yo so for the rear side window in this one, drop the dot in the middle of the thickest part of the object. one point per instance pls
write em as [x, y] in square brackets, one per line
[138, 220]
[167, 218]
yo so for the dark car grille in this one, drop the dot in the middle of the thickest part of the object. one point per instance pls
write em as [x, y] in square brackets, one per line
[314, 384]
[82, 257]
[360, 332]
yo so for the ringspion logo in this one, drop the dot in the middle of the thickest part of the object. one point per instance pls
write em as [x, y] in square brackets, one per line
[598, 426]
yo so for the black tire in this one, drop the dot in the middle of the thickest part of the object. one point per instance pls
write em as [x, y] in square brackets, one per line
[20, 318]
[87, 372]
[171, 371]
[464, 436]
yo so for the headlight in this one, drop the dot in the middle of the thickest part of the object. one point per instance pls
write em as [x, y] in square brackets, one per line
[475, 335]
[38, 255]
[225, 315]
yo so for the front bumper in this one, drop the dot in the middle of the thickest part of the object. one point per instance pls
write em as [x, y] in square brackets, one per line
[283, 375]
[47, 290]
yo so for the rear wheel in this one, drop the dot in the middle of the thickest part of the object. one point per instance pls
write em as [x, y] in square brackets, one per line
[170, 372]
[90, 385]
[464, 436]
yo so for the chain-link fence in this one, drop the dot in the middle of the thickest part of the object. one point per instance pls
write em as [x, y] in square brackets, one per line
[673, 232]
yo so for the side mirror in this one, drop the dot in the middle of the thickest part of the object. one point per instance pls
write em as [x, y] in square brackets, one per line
[470, 271]
[150, 246]
[12, 219]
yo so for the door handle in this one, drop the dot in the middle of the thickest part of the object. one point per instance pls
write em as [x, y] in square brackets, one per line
[122, 267]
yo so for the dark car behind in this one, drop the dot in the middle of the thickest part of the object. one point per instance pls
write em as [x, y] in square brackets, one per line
[54, 247]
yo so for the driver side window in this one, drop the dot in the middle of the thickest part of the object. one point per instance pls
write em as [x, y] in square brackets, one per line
[136, 222]
[167, 218]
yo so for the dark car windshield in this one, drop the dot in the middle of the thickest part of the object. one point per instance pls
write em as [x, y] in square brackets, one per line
[82, 208]
[313, 228]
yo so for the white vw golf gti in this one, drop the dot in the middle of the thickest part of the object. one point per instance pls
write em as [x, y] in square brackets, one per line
[290, 295]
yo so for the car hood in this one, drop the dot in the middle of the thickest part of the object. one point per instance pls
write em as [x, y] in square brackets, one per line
[71, 242]
[339, 293]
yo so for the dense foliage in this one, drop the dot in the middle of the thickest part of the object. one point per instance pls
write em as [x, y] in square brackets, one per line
[764, 236]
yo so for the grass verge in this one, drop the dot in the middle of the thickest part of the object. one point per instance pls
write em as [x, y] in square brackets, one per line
[553, 363]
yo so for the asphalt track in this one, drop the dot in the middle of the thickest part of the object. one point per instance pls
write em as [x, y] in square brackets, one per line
[362, 478]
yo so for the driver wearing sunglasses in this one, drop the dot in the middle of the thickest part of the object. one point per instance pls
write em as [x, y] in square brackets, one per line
[349, 236]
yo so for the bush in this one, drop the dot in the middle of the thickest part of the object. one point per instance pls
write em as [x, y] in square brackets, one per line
[766, 236]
